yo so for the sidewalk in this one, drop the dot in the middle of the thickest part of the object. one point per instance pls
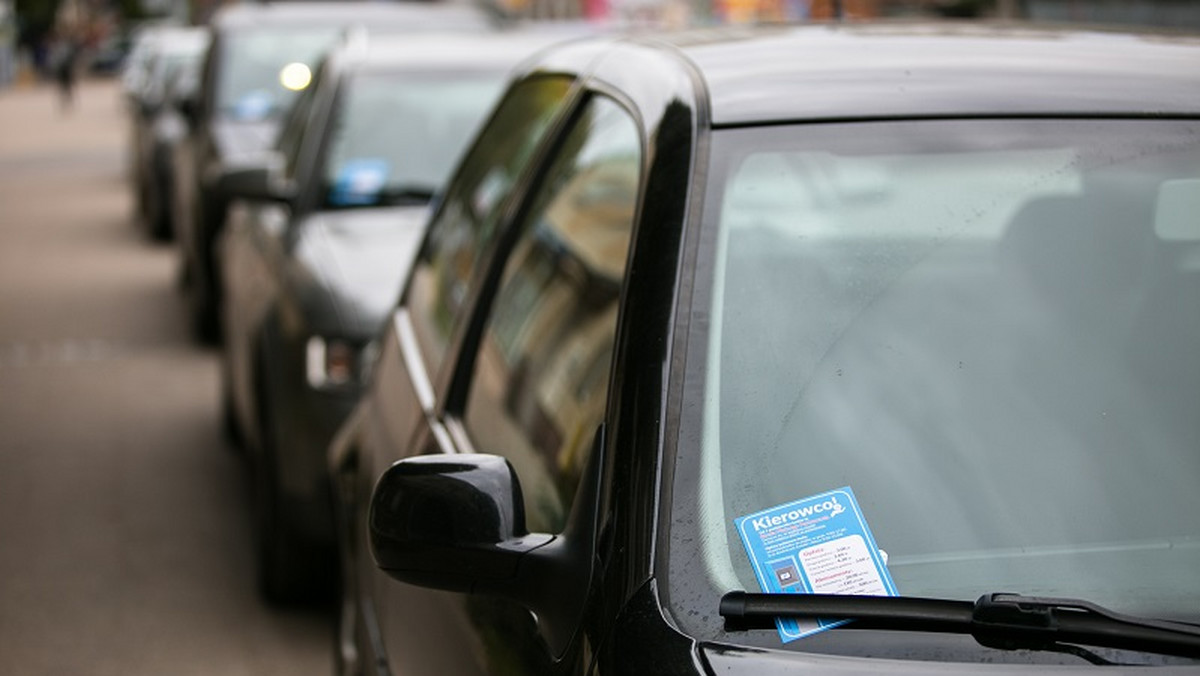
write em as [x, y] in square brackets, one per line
[34, 124]
[126, 542]
[65, 218]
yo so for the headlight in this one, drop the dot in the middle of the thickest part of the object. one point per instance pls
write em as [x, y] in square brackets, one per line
[333, 363]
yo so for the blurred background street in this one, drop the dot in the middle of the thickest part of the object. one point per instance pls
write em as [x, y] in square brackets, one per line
[125, 542]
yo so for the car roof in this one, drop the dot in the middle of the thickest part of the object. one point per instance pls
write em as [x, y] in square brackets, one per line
[903, 70]
[163, 37]
[450, 50]
[182, 39]
[414, 15]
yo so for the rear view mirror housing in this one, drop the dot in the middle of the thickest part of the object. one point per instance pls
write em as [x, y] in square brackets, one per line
[149, 106]
[257, 179]
[454, 522]
[188, 105]
[457, 522]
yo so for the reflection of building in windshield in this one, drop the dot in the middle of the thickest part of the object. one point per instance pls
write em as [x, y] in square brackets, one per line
[557, 313]
[469, 218]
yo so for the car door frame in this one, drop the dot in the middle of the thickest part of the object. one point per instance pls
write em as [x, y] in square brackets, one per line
[429, 389]
[626, 540]
[594, 491]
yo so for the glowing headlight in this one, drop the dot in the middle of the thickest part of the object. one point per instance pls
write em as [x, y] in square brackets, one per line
[295, 76]
[332, 363]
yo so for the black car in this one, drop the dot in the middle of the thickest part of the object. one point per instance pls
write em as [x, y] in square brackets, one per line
[313, 255]
[262, 55]
[837, 350]
[157, 122]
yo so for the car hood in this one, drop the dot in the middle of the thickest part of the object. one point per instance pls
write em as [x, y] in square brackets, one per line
[720, 659]
[735, 660]
[239, 139]
[360, 257]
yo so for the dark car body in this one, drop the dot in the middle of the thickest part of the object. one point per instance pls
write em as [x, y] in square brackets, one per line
[259, 58]
[310, 273]
[170, 75]
[680, 281]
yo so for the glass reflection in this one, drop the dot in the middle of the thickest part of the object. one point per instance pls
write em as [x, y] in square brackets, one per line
[541, 374]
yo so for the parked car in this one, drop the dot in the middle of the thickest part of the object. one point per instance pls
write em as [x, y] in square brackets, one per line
[262, 55]
[135, 67]
[135, 72]
[313, 255]
[854, 312]
[158, 124]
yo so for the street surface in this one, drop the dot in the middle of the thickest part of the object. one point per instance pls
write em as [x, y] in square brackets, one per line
[125, 543]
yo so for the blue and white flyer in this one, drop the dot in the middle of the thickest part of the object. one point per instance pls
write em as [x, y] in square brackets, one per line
[817, 545]
[359, 182]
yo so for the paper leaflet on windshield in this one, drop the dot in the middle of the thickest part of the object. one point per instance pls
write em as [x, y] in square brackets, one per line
[816, 545]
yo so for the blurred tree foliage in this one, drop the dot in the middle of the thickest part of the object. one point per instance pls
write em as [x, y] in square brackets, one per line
[36, 18]
[131, 10]
[36, 15]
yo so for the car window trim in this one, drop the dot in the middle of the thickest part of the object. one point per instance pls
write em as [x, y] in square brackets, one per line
[329, 83]
[406, 339]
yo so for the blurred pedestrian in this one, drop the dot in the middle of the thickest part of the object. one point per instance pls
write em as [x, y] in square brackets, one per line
[65, 65]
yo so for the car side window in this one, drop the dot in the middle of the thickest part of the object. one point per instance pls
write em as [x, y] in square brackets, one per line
[467, 221]
[540, 382]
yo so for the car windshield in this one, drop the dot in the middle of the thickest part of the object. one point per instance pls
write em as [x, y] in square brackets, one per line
[261, 68]
[989, 331]
[397, 136]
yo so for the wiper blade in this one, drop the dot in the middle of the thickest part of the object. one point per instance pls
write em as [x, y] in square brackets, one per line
[1003, 621]
[406, 195]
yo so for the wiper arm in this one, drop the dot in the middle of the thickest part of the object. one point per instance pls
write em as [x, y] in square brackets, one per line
[1002, 621]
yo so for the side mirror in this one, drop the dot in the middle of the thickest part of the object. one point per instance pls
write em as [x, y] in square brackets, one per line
[149, 106]
[188, 105]
[450, 522]
[259, 179]
[457, 522]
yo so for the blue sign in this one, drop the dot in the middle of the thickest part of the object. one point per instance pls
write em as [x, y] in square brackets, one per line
[253, 105]
[359, 182]
[818, 545]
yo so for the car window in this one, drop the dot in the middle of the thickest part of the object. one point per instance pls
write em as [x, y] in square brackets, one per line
[263, 69]
[539, 385]
[467, 220]
[982, 328]
[395, 136]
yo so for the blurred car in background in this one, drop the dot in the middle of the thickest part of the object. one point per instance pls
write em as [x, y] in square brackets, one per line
[261, 57]
[110, 54]
[135, 71]
[696, 309]
[171, 68]
[143, 43]
[313, 254]
[172, 131]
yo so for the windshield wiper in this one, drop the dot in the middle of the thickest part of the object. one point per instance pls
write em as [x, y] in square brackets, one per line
[1003, 621]
[406, 195]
